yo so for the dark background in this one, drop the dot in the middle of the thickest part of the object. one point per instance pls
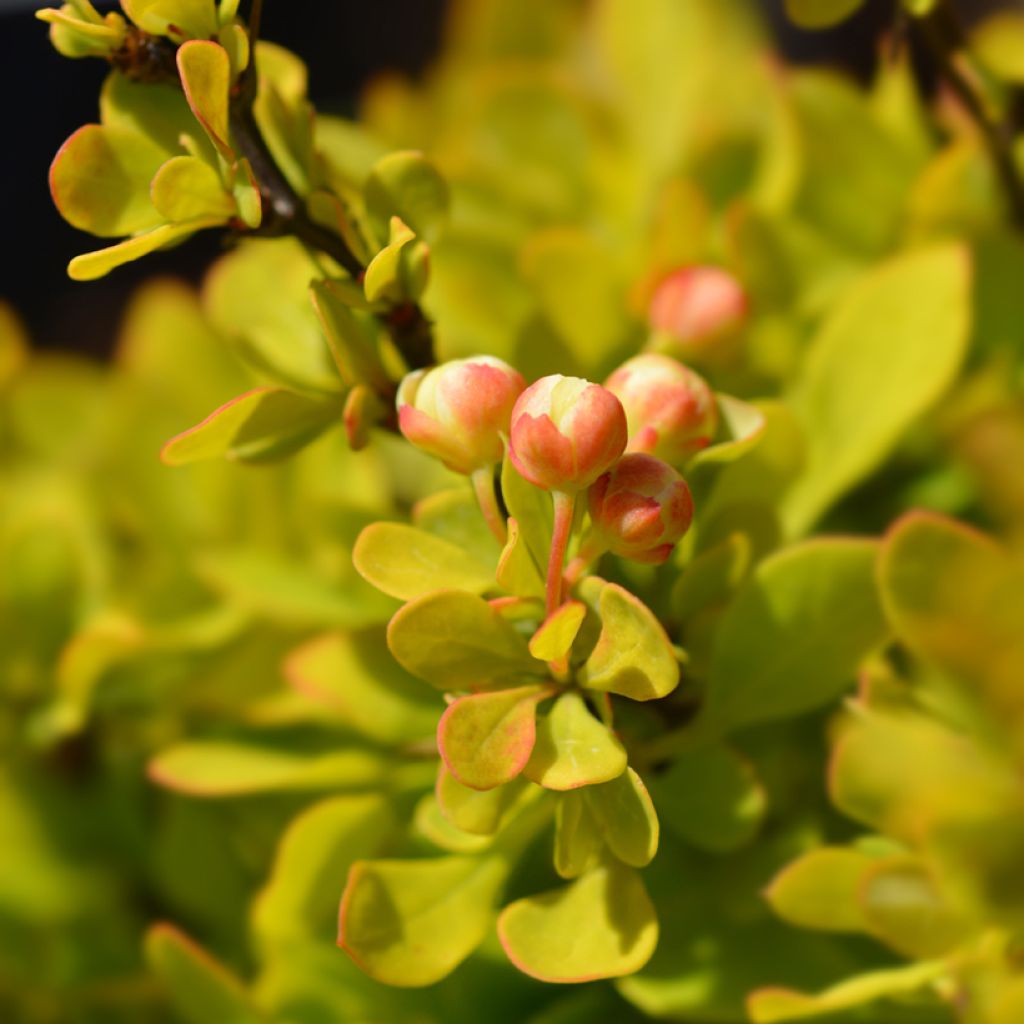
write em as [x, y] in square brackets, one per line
[344, 42]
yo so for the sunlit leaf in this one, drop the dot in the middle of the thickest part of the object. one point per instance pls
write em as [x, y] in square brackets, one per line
[821, 13]
[820, 890]
[186, 188]
[625, 816]
[205, 70]
[92, 265]
[195, 18]
[557, 632]
[406, 185]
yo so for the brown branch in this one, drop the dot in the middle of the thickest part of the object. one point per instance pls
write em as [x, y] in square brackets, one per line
[945, 41]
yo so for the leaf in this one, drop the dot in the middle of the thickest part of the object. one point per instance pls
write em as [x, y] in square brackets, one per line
[517, 572]
[814, 14]
[312, 863]
[712, 576]
[411, 922]
[195, 18]
[578, 840]
[399, 271]
[533, 512]
[573, 748]
[633, 655]
[625, 815]
[205, 70]
[457, 641]
[854, 415]
[956, 599]
[740, 426]
[407, 563]
[485, 739]
[211, 768]
[710, 797]
[100, 178]
[795, 635]
[430, 823]
[405, 184]
[92, 265]
[479, 812]
[201, 988]
[283, 590]
[260, 426]
[998, 41]
[454, 515]
[601, 926]
[275, 329]
[819, 890]
[554, 638]
[354, 675]
[353, 349]
[186, 188]
[768, 1005]
[904, 908]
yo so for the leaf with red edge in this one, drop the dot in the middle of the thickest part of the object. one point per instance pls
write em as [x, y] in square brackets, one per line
[205, 70]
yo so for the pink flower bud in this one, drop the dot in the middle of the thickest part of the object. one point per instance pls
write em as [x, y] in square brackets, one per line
[566, 432]
[640, 508]
[698, 305]
[670, 409]
[460, 411]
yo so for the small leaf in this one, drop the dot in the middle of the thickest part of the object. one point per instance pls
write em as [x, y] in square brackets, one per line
[556, 634]
[517, 571]
[578, 839]
[796, 633]
[740, 427]
[205, 70]
[312, 863]
[573, 748]
[457, 641]
[431, 824]
[175, 18]
[201, 988]
[411, 922]
[625, 815]
[633, 656]
[186, 188]
[533, 512]
[768, 1005]
[212, 768]
[407, 563]
[399, 271]
[903, 908]
[852, 415]
[601, 926]
[405, 184]
[480, 812]
[710, 797]
[100, 178]
[819, 890]
[262, 425]
[92, 265]
[352, 347]
[354, 676]
[486, 738]
[821, 13]
[998, 41]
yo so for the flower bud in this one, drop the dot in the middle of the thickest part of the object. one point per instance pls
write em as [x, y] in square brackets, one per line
[670, 409]
[697, 306]
[640, 508]
[460, 411]
[566, 432]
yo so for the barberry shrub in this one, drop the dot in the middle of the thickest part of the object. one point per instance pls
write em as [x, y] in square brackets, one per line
[584, 543]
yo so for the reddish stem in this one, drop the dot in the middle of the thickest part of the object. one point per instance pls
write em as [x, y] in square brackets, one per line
[565, 509]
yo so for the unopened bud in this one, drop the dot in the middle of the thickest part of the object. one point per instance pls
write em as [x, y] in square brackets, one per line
[640, 508]
[670, 409]
[698, 306]
[460, 411]
[566, 432]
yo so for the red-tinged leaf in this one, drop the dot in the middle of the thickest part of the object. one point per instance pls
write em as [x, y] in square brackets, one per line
[486, 738]
[205, 70]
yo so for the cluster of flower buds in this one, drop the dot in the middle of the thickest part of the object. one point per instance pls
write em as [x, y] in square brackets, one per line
[568, 435]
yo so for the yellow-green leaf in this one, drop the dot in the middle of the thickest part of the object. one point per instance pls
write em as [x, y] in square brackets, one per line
[205, 70]
[557, 632]
[821, 13]
[186, 188]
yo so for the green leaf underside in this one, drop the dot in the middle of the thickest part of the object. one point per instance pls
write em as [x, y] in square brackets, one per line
[633, 655]
[486, 739]
[601, 926]
[853, 414]
[457, 641]
[796, 633]
[573, 748]
[710, 797]
[625, 815]
[200, 987]
[211, 768]
[479, 812]
[410, 923]
[407, 563]
[578, 839]
[262, 425]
